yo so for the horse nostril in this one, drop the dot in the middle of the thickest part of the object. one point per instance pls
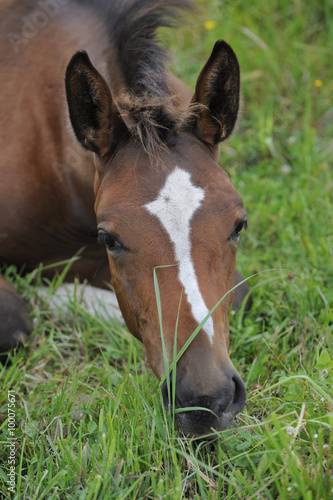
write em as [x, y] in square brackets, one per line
[239, 398]
[229, 399]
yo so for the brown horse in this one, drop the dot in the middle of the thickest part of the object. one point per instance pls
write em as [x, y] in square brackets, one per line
[142, 161]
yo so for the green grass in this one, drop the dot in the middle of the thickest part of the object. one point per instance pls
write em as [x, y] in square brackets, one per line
[90, 421]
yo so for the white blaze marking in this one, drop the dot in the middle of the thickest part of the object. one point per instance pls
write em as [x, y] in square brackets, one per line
[174, 207]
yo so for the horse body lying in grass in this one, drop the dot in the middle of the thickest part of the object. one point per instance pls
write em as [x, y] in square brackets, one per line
[142, 162]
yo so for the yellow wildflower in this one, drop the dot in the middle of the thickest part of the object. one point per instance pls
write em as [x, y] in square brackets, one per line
[318, 83]
[209, 25]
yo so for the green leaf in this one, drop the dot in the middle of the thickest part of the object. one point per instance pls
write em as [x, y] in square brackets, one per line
[243, 446]
[91, 426]
[324, 358]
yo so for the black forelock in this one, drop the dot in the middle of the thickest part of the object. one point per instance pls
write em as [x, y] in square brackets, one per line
[131, 26]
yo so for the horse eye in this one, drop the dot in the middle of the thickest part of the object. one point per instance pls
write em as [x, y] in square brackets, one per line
[241, 225]
[109, 240]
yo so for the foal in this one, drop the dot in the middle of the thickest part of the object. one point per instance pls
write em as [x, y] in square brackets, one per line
[141, 166]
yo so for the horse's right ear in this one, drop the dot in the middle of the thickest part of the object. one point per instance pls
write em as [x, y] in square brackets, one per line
[90, 105]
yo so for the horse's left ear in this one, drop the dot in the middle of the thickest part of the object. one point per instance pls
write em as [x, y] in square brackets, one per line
[94, 116]
[218, 92]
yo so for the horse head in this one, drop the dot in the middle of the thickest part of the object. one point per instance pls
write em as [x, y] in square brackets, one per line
[164, 205]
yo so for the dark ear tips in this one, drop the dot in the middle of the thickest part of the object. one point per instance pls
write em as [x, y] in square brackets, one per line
[81, 55]
[79, 58]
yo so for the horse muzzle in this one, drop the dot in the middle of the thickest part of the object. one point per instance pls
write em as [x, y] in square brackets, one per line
[217, 406]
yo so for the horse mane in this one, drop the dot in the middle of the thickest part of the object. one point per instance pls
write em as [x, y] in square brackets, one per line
[146, 102]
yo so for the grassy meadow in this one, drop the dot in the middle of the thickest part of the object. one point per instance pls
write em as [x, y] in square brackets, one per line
[89, 414]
